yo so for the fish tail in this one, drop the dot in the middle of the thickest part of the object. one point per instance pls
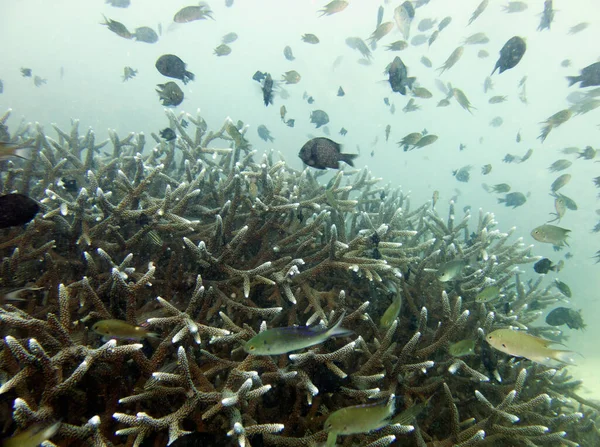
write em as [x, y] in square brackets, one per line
[23, 152]
[337, 330]
[563, 356]
[573, 79]
[501, 200]
[347, 158]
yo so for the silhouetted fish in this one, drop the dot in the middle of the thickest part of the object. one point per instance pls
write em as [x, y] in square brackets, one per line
[17, 209]
[510, 54]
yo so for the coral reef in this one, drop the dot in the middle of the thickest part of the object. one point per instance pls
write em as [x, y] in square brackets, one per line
[203, 244]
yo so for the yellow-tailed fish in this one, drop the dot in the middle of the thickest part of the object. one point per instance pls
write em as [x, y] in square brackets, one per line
[450, 270]
[358, 419]
[462, 348]
[391, 312]
[521, 344]
[282, 340]
[33, 436]
[121, 330]
[488, 294]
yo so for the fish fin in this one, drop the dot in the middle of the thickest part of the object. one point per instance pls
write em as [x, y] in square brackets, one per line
[573, 80]
[563, 356]
[347, 158]
[337, 330]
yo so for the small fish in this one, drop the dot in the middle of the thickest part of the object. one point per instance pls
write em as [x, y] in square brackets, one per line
[267, 89]
[544, 265]
[486, 169]
[488, 294]
[222, 50]
[462, 99]
[560, 182]
[291, 77]
[288, 54]
[433, 38]
[358, 419]
[398, 76]
[482, 54]
[310, 38]
[341, 91]
[476, 39]
[518, 138]
[283, 340]
[343, 132]
[321, 153]
[565, 63]
[426, 61]
[426, 140]
[229, 38]
[452, 59]
[422, 92]
[391, 313]
[513, 199]
[419, 39]
[282, 113]
[478, 11]
[333, 7]
[497, 121]
[462, 174]
[145, 34]
[521, 344]
[168, 134]
[564, 289]
[128, 73]
[170, 94]
[16, 210]
[380, 32]
[563, 315]
[560, 207]
[26, 72]
[547, 16]
[450, 270]
[264, 133]
[497, 99]
[551, 234]
[578, 28]
[32, 436]
[121, 330]
[388, 129]
[192, 13]
[116, 27]
[434, 198]
[444, 23]
[290, 122]
[173, 67]
[398, 45]
[319, 118]
[511, 54]
[462, 348]
[403, 16]
[515, 6]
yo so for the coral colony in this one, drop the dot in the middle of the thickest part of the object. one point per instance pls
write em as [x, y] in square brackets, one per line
[198, 244]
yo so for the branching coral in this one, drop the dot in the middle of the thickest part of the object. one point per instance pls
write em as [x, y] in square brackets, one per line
[206, 246]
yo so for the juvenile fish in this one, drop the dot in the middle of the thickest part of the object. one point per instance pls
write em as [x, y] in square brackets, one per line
[121, 330]
[450, 270]
[462, 348]
[488, 294]
[391, 313]
[358, 419]
[551, 234]
[292, 338]
[521, 344]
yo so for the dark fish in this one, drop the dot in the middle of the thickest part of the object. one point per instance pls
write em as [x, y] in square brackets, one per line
[324, 153]
[290, 122]
[229, 3]
[340, 92]
[184, 123]
[563, 315]
[259, 76]
[543, 266]
[1, 86]
[118, 28]
[319, 118]
[398, 76]
[462, 174]
[310, 38]
[17, 209]
[145, 34]
[510, 54]
[173, 67]
[310, 100]
[287, 52]
[513, 199]
[547, 16]
[191, 13]
[267, 89]
[264, 133]
[170, 94]
[589, 76]
[343, 132]
[69, 185]
[26, 72]
[167, 134]
[128, 73]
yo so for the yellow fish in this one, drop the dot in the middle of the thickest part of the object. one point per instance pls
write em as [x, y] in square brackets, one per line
[8, 150]
[33, 436]
[391, 312]
[521, 344]
[358, 419]
[121, 330]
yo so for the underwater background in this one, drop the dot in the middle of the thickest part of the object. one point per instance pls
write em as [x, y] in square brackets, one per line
[64, 42]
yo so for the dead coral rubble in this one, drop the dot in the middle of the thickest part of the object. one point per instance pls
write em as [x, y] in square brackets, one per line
[206, 246]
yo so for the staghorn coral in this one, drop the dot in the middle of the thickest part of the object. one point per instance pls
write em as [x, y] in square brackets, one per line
[204, 244]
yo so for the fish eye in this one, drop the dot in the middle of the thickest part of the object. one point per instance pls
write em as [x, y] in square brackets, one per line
[252, 347]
